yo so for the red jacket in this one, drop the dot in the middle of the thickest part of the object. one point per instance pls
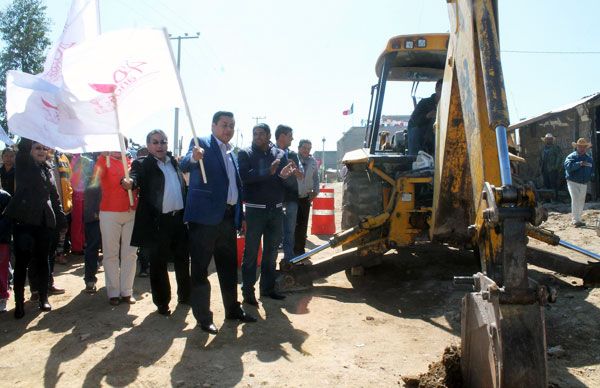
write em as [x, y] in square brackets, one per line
[114, 197]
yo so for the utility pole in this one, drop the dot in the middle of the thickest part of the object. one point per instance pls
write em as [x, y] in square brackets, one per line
[176, 130]
[323, 162]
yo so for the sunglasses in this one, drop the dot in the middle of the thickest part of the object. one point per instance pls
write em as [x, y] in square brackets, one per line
[162, 142]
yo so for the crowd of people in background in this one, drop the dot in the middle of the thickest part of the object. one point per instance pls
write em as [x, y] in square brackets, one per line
[187, 210]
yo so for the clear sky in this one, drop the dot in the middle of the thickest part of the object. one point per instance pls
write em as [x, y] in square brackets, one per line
[302, 63]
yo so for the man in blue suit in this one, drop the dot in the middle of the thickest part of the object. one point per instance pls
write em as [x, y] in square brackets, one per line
[213, 212]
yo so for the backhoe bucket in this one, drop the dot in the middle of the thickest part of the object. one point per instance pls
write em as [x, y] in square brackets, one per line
[503, 345]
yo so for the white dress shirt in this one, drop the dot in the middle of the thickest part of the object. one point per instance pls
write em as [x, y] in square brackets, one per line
[232, 191]
[172, 198]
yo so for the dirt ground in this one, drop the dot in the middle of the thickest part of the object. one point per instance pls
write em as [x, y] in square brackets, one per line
[391, 323]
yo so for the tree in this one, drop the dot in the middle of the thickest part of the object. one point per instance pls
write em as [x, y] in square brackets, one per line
[23, 30]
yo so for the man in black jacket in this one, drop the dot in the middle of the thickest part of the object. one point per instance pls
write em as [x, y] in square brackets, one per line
[263, 169]
[159, 226]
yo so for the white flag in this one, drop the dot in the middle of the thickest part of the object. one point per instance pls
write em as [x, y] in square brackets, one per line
[82, 23]
[95, 143]
[5, 139]
[119, 79]
[34, 110]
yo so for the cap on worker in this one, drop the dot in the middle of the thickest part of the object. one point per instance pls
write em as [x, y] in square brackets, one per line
[582, 142]
[548, 136]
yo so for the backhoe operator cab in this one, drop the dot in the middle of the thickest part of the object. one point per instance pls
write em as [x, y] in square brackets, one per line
[409, 58]
[384, 165]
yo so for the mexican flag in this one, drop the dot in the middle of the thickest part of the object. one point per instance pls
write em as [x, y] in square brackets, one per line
[349, 111]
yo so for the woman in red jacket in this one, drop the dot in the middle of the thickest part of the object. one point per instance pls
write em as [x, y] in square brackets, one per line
[116, 225]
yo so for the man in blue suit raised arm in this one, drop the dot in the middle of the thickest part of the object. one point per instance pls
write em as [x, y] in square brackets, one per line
[213, 212]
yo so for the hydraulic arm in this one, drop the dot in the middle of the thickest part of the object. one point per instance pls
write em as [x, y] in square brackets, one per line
[471, 201]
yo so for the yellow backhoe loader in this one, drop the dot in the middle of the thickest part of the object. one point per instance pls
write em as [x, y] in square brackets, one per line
[468, 199]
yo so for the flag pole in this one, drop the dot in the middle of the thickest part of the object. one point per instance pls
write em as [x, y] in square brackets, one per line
[186, 106]
[125, 168]
[123, 150]
[98, 16]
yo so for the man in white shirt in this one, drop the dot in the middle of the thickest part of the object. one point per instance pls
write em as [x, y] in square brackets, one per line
[159, 226]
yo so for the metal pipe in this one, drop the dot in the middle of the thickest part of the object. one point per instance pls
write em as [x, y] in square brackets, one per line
[580, 250]
[308, 254]
[503, 156]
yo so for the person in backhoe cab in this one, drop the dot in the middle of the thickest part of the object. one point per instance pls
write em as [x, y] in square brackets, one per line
[421, 136]
[578, 170]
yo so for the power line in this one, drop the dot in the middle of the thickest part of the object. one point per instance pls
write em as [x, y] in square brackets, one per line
[178, 38]
[181, 19]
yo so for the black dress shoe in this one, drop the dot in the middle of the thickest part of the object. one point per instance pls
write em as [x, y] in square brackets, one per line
[251, 300]
[53, 290]
[185, 301]
[209, 328]
[164, 310]
[242, 316]
[275, 295]
[44, 305]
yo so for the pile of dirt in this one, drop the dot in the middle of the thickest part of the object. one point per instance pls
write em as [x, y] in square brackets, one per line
[441, 374]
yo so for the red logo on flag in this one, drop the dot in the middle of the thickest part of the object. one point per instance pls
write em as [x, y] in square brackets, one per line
[126, 77]
[55, 71]
[50, 111]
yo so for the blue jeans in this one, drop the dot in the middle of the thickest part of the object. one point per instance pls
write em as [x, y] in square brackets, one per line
[265, 223]
[92, 244]
[289, 229]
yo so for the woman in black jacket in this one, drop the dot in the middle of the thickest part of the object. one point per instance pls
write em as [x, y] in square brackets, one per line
[36, 211]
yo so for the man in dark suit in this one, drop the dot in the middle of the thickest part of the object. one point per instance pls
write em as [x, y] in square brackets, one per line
[159, 226]
[213, 212]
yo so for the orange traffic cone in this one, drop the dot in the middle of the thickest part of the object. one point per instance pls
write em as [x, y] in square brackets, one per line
[241, 244]
[323, 218]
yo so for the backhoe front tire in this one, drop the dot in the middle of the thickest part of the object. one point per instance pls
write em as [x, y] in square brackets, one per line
[362, 197]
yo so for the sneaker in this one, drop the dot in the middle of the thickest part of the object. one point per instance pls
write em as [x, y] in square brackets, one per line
[114, 301]
[128, 299]
[90, 287]
[144, 274]
[3, 305]
[35, 296]
[577, 224]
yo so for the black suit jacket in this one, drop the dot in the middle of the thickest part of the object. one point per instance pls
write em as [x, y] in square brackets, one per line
[36, 201]
[150, 181]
